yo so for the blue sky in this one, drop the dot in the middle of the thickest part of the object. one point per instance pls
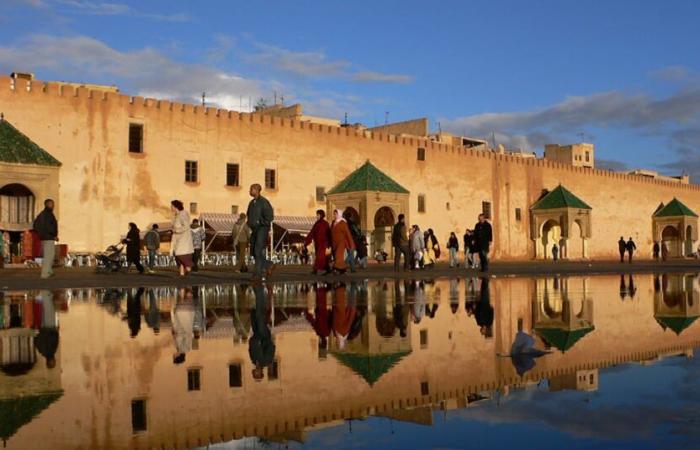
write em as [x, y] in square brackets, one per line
[625, 75]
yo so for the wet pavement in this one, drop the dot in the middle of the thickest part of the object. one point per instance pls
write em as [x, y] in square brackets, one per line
[602, 361]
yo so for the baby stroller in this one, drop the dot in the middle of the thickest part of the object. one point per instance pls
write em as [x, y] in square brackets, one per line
[111, 259]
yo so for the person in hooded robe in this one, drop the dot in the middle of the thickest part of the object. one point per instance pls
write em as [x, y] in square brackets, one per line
[182, 317]
[343, 315]
[341, 241]
[320, 235]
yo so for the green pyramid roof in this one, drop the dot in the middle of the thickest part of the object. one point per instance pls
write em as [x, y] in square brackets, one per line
[677, 324]
[562, 339]
[368, 178]
[674, 208]
[17, 148]
[560, 197]
[370, 367]
[19, 411]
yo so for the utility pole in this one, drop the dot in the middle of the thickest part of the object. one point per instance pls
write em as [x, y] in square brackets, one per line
[204, 98]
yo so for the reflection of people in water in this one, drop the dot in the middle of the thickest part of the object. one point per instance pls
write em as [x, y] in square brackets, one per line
[631, 288]
[320, 320]
[153, 314]
[400, 310]
[657, 284]
[261, 347]
[483, 310]
[46, 341]
[199, 324]
[343, 314]
[133, 311]
[623, 287]
[241, 313]
[454, 295]
[418, 302]
[182, 317]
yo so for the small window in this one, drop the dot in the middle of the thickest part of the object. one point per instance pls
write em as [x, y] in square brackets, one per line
[424, 388]
[421, 203]
[591, 379]
[193, 208]
[138, 415]
[234, 209]
[421, 154]
[273, 372]
[194, 380]
[235, 378]
[320, 194]
[588, 157]
[135, 138]
[423, 338]
[191, 171]
[233, 175]
[486, 209]
[447, 206]
[518, 214]
[270, 179]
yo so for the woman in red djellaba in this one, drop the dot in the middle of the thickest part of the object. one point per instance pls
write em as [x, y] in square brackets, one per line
[341, 240]
[320, 234]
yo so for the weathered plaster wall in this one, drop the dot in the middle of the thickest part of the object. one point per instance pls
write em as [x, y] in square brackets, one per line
[103, 187]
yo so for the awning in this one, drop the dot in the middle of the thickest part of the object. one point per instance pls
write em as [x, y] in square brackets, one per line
[295, 224]
[220, 223]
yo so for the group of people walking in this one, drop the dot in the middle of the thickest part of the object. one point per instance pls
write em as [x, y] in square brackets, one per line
[339, 246]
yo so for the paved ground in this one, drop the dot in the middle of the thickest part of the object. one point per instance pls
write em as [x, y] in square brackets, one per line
[11, 279]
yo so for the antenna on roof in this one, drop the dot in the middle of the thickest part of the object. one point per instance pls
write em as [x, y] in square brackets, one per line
[346, 119]
[386, 117]
[204, 99]
[282, 99]
[582, 135]
[275, 95]
[439, 128]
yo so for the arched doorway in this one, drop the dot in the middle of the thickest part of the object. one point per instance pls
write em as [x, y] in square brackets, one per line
[17, 211]
[671, 237]
[551, 234]
[688, 241]
[383, 222]
[574, 245]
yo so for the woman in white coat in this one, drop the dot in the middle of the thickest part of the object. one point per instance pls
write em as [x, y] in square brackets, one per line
[181, 245]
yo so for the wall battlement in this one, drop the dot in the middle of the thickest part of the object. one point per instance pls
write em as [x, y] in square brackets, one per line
[215, 117]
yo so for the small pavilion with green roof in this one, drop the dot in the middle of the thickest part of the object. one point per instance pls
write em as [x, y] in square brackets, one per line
[28, 175]
[374, 199]
[677, 303]
[560, 217]
[675, 225]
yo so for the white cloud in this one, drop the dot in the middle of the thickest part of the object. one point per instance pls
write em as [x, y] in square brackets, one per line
[145, 71]
[97, 8]
[378, 77]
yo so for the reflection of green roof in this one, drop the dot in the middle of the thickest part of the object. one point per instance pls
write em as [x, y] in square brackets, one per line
[674, 208]
[560, 197]
[19, 411]
[368, 178]
[677, 324]
[370, 367]
[562, 339]
[17, 148]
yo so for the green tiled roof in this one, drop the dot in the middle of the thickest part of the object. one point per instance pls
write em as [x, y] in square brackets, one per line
[19, 411]
[17, 148]
[674, 208]
[562, 339]
[368, 178]
[677, 324]
[560, 197]
[370, 367]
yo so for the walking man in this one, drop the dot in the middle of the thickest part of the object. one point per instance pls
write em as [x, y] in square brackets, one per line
[453, 248]
[483, 235]
[399, 240]
[631, 247]
[656, 249]
[152, 239]
[555, 252]
[622, 247]
[260, 217]
[46, 227]
[241, 240]
[198, 237]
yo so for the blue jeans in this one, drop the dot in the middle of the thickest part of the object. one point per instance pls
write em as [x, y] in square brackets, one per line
[151, 258]
[350, 259]
[453, 257]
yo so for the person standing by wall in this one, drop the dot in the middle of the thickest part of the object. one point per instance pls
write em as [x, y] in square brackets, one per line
[656, 249]
[320, 235]
[555, 252]
[622, 247]
[152, 239]
[181, 245]
[260, 217]
[631, 247]
[241, 240]
[453, 248]
[133, 248]
[483, 236]
[417, 247]
[198, 237]
[341, 241]
[46, 227]
[399, 240]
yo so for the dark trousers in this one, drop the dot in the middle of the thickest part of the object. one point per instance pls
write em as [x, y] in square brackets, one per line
[136, 262]
[258, 242]
[622, 256]
[629, 256]
[196, 257]
[398, 251]
[484, 259]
